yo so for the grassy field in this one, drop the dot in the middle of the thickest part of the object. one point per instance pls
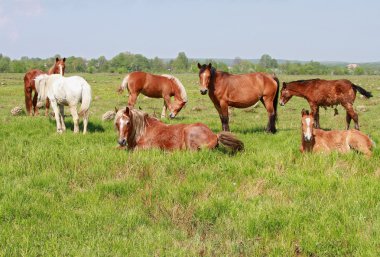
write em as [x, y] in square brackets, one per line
[76, 195]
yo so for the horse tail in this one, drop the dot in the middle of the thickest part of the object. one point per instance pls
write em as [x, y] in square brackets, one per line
[86, 99]
[275, 100]
[362, 91]
[230, 141]
[124, 84]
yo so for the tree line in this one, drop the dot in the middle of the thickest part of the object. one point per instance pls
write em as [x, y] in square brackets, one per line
[127, 62]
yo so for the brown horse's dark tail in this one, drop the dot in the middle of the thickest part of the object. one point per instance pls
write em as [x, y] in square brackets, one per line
[362, 91]
[275, 100]
[230, 141]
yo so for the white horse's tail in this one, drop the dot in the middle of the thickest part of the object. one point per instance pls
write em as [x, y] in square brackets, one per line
[124, 84]
[86, 99]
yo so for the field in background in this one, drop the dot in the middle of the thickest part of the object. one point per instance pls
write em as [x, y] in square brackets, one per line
[77, 195]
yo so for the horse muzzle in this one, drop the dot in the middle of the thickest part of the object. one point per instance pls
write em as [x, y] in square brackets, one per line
[171, 115]
[203, 91]
[307, 138]
[282, 103]
[122, 141]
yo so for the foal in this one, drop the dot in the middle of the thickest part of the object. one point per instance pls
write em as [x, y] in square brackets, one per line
[136, 130]
[319, 92]
[318, 140]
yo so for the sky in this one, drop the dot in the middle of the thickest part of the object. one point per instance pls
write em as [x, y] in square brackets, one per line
[319, 30]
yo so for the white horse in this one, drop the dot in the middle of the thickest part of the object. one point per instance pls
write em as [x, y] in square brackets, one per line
[67, 91]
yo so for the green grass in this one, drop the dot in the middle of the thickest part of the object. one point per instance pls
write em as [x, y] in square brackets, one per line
[76, 195]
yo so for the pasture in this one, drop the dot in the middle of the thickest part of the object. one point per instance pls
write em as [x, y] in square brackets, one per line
[76, 195]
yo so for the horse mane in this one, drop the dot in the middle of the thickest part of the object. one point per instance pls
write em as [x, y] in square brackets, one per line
[139, 122]
[180, 86]
[303, 81]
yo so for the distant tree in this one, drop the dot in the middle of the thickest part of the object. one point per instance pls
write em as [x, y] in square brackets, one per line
[243, 66]
[157, 65]
[181, 63]
[4, 63]
[359, 71]
[268, 62]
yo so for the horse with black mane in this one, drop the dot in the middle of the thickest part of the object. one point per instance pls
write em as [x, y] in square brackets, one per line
[240, 91]
[137, 130]
[320, 92]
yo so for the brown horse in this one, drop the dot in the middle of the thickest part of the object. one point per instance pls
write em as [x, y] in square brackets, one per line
[136, 130]
[156, 86]
[240, 91]
[29, 86]
[318, 140]
[319, 92]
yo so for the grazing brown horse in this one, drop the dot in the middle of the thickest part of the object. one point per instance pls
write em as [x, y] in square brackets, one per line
[156, 86]
[136, 130]
[318, 140]
[29, 86]
[240, 91]
[319, 92]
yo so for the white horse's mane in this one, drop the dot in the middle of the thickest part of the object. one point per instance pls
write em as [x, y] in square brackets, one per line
[179, 84]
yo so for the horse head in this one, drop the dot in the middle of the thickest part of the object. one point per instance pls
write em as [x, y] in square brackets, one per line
[285, 94]
[176, 107]
[307, 122]
[205, 73]
[122, 124]
[59, 67]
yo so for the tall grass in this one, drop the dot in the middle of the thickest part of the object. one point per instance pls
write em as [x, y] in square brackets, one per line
[78, 195]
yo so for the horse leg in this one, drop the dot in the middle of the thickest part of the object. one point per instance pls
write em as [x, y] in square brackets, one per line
[168, 103]
[85, 121]
[316, 117]
[47, 106]
[62, 117]
[350, 111]
[74, 113]
[132, 99]
[164, 108]
[315, 111]
[28, 100]
[268, 104]
[35, 107]
[348, 120]
[223, 113]
[57, 118]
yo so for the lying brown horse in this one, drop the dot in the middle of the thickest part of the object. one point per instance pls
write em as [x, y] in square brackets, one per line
[239, 91]
[136, 130]
[319, 92]
[29, 87]
[156, 86]
[317, 140]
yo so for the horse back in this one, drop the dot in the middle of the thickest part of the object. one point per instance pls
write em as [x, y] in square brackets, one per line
[244, 90]
[327, 92]
[29, 78]
[149, 84]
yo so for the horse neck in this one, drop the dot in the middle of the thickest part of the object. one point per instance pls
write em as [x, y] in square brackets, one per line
[149, 123]
[215, 77]
[297, 89]
[177, 91]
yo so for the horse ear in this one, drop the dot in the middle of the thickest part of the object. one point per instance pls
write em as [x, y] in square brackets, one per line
[127, 111]
[283, 85]
[56, 59]
[209, 65]
[304, 112]
[199, 66]
[64, 59]
[116, 110]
